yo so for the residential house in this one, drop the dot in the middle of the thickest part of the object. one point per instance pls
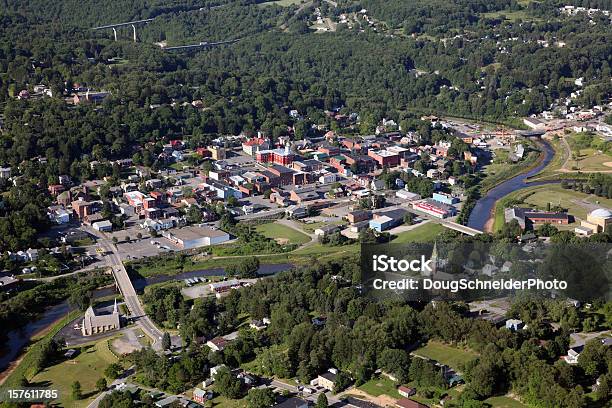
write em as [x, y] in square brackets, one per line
[327, 380]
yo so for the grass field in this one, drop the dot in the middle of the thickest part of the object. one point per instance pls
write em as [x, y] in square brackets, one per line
[424, 233]
[558, 160]
[585, 153]
[454, 357]
[223, 402]
[86, 368]
[282, 233]
[504, 402]
[499, 170]
[379, 386]
[511, 15]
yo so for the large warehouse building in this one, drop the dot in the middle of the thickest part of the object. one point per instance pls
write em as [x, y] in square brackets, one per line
[196, 236]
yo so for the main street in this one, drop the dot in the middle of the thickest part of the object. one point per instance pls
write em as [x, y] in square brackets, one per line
[137, 313]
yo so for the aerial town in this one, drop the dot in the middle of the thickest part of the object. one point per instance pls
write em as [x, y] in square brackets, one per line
[188, 211]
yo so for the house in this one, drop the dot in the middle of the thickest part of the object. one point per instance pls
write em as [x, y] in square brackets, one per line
[327, 380]
[514, 324]
[224, 286]
[303, 195]
[217, 343]
[319, 321]
[5, 172]
[201, 396]
[406, 391]
[252, 146]
[257, 324]
[296, 211]
[408, 403]
[326, 230]
[8, 283]
[167, 402]
[572, 356]
[214, 370]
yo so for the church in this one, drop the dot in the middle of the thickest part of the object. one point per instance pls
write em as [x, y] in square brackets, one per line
[95, 324]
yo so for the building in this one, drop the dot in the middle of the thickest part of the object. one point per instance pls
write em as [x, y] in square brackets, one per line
[408, 403]
[196, 236]
[528, 217]
[201, 396]
[8, 282]
[217, 344]
[435, 208]
[534, 123]
[94, 323]
[385, 158]
[103, 226]
[217, 153]
[296, 211]
[225, 286]
[406, 391]
[5, 172]
[514, 324]
[326, 230]
[284, 157]
[572, 356]
[252, 146]
[407, 195]
[358, 216]
[445, 198]
[598, 220]
[328, 380]
[82, 208]
[383, 221]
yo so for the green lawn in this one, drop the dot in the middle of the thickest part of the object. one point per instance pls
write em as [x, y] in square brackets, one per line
[223, 402]
[454, 357]
[283, 233]
[86, 368]
[511, 15]
[504, 402]
[424, 233]
[380, 386]
[586, 155]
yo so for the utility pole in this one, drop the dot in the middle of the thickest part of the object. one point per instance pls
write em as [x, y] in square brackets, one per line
[115, 32]
[134, 27]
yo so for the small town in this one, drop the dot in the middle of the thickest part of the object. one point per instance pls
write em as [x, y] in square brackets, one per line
[194, 196]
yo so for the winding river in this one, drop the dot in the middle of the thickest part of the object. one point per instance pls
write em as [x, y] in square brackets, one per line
[483, 210]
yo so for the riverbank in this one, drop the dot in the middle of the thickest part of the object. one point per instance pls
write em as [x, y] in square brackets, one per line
[484, 210]
[25, 365]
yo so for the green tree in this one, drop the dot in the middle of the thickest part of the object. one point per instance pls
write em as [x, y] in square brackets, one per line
[113, 371]
[260, 398]
[166, 342]
[101, 384]
[322, 401]
[77, 394]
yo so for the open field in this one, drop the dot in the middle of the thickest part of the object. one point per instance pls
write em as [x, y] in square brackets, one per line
[588, 153]
[380, 385]
[424, 233]
[86, 368]
[504, 402]
[511, 15]
[282, 234]
[454, 357]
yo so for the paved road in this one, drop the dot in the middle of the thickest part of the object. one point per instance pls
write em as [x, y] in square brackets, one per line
[137, 313]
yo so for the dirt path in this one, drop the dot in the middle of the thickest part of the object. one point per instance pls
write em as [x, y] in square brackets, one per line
[382, 400]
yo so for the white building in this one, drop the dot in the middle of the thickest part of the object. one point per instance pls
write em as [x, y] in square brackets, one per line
[103, 226]
[196, 236]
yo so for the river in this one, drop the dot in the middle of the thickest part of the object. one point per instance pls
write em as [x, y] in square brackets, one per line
[483, 210]
[18, 339]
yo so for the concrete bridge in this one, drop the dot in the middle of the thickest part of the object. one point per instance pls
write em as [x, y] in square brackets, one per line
[127, 23]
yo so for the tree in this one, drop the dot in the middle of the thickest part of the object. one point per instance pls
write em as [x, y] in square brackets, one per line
[166, 341]
[261, 398]
[113, 371]
[248, 267]
[342, 382]
[115, 240]
[101, 384]
[322, 401]
[228, 384]
[77, 394]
